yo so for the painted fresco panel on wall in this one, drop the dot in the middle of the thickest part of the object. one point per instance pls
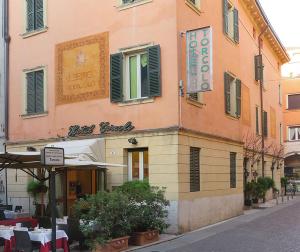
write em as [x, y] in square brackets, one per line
[246, 111]
[82, 69]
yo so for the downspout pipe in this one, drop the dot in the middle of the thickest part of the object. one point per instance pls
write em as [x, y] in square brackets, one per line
[261, 83]
[6, 76]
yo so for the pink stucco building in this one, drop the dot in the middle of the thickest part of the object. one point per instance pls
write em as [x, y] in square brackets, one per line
[76, 69]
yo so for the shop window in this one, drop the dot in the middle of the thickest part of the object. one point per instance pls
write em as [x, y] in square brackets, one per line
[294, 133]
[135, 75]
[138, 164]
[294, 101]
[194, 169]
[232, 170]
[231, 21]
[232, 88]
[35, 92]
[35, 15]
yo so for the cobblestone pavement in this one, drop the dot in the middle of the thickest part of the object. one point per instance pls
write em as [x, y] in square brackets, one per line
[274, 229]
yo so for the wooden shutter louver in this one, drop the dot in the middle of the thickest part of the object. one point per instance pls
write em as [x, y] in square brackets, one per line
[265, 123]
[116, 77]
[238, 97]
[258, 67]
[154, 75]
[39, 91]
[257, 120]
[232, 170]
[30, 108]
[236, 25]
[39, 14]
[225, 16]
[30, 15]
[227, 92]
[194, 169]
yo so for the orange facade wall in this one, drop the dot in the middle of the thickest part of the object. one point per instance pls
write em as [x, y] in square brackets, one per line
[160, 22]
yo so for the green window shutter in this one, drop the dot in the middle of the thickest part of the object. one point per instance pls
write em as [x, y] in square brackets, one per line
[194, 169]
[30, 15]
[116, 77]
[154, 78]
[227, 92]
[265, 123]
[39, 14]
[236, 25]
[258, 67]
[30, 108]
[39, 91]
[232, 170]
[257, 120]
[238, 97]
[194, 96]
[225, 16]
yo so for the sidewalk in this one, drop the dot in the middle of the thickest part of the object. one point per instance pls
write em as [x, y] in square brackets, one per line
[173, 242]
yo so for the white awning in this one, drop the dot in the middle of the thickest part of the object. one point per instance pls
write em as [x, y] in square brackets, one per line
[83, 150]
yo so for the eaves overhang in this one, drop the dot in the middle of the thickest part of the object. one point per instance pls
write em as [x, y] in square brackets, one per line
[262, 21]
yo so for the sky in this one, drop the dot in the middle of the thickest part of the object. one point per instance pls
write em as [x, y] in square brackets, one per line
[284, 15]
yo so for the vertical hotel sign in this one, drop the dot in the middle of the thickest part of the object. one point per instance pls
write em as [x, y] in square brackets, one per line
[199, 60]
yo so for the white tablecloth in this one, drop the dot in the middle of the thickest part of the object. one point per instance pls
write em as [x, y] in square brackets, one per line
[44, 236]
[8, 232]
[15, 215]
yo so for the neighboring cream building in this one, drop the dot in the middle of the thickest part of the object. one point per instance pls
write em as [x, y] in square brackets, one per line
[115, 72]
[291, 112]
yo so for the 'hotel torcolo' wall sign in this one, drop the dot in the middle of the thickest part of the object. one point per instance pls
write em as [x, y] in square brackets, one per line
[104, 127]
[199, 60]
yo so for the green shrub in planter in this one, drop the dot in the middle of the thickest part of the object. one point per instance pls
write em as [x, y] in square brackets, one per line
[149, 205]
[104, 216]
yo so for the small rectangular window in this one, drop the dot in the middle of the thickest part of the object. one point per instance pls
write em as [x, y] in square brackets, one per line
[231, 21]
[232, 170]
[194, 169]
[294, 133]
[294, 101]
[35, 92]
[232, 89]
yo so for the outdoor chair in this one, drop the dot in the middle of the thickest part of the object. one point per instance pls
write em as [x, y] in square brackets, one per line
[2, 215]
[18, 208]
[23, 242]
[26, 224]
[74, 232]
[9, 207]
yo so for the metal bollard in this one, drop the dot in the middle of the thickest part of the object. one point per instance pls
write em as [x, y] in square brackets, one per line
[281, 198]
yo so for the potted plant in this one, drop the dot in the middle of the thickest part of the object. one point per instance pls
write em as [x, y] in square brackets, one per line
[105, 220]
[149, 208]
[38, 188]
[249, 188]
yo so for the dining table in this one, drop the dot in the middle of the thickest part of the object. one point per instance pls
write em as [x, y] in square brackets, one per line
[43, 236]
[12, 222]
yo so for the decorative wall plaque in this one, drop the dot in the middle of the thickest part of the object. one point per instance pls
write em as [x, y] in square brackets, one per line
[82, 69]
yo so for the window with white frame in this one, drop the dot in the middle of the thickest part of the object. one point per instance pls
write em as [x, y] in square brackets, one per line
[35, 92]
[35, 15]
[135, 74]
[294, 133]
[138, 164]
[231, 21]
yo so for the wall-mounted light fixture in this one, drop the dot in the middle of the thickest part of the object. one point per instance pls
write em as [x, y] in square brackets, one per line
[132, 140]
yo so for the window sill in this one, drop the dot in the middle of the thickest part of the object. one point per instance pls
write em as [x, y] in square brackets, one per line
[136, 102]
[33, 33]
[195, 103]
[235, 118]
[29, 116]
[231, 40]
[193, 7]
[131, 5]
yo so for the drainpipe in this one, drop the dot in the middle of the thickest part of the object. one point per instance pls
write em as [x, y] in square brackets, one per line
[261, 83]
[6, 77]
